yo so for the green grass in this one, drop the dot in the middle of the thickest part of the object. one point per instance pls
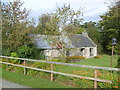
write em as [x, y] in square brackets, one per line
[103, 62]
[88, 72]
[33, 82]
[44, 83]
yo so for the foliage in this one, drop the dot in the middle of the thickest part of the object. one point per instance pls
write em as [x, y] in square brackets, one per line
[4, 66]
[31, 72]
[30, 52]
[74, 58]
[6, 52]
[47, 25]
[15, 27]
[63, 17]
[25, 51]
[19, 70]
[118, 63]
[73, 29]
[41, 65]
[110, 26]
[56, 60]
[98, 56]
[14, 54]
[94, 33]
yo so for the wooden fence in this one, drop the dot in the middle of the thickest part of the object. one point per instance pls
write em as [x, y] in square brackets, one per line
[95, 79]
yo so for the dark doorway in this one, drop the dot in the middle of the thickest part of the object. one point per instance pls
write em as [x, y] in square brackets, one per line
[81, 51]
[91, 51]
[67, 53]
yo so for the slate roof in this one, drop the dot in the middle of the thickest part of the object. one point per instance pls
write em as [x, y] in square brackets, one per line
[80, 40]
[74, 41]
[43, 42]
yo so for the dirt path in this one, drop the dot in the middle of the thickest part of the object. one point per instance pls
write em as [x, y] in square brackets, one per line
[8, 84]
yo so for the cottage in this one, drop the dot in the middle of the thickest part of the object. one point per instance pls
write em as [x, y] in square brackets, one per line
[74, 45]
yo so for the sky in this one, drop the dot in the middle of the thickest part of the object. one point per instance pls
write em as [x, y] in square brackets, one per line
[91, 9]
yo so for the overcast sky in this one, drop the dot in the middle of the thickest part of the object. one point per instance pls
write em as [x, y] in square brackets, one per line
[91, 8]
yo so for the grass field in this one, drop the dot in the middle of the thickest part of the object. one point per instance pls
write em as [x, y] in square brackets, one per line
[33, 82]
[103, 62]
[36, 82]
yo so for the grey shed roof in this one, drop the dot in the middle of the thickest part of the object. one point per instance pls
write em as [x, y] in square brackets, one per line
[80, 40]
[43, 41]
[74, 41]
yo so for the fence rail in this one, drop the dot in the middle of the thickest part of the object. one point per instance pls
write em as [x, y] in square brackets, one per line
[85, 66]
[95, 79]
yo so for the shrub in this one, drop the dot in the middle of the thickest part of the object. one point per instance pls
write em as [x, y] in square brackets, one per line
[14, 54]
[4, 66]
[6, 52]
[31, 72]
[55, 60]
[19, 69]
[98, 57]
[25, 51]
[41, 65]
[30, 52]
[74, 58]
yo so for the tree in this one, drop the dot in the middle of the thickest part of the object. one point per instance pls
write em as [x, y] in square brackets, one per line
[94, 33]
[73, 29]
[48, 24]
[15, 25]
[64, 17]
[110, 25]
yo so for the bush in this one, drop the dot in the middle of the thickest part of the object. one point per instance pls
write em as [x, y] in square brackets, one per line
[31, 72]
[6, 52]
[4, 66]
[41, 65]
[98, 57]
[55, 60]
[74, 58]
[19, 69]
[30, 52]
[14, 54]
[25, 51]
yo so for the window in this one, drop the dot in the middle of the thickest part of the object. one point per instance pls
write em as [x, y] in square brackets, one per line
[67, 53]
[91, 51]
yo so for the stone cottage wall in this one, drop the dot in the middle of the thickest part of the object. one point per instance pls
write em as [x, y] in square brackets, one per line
[51, 54]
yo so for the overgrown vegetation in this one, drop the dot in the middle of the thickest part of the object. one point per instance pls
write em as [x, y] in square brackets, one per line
[74, 58]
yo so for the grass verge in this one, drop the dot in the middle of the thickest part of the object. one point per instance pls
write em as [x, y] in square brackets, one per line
[30, 81]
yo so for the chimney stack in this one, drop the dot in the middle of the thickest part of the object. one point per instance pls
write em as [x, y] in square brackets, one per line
[85, 33]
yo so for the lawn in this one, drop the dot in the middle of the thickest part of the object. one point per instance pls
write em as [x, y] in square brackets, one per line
[30, 81]
[103, 62]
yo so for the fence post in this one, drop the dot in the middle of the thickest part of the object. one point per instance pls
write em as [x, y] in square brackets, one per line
[95, 76]
[7, 64]
[51, 67]
[24, 68]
